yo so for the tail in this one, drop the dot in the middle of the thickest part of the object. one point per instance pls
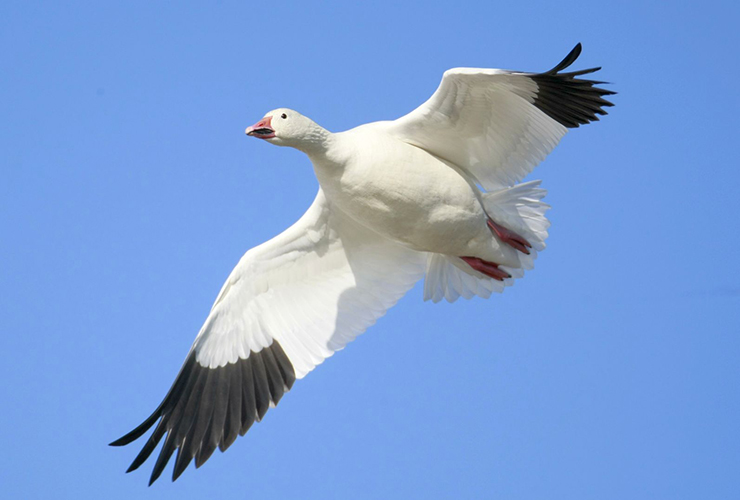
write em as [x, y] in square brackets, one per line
[519, 208]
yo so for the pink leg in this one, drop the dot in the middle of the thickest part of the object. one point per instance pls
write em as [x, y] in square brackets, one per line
[509, 237]
[488, 268]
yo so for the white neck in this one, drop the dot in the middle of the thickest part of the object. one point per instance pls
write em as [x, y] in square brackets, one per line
[316, 141]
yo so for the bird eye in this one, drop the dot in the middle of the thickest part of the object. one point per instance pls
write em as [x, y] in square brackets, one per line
[283, 116]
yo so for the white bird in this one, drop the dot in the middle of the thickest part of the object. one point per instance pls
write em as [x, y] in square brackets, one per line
[433, 194]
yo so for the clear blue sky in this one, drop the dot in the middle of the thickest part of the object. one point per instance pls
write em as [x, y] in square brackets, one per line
[128, 192]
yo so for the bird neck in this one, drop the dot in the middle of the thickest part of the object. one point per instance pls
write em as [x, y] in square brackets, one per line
[316, 142]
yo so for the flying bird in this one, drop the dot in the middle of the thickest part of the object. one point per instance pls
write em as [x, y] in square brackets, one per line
[436, 193]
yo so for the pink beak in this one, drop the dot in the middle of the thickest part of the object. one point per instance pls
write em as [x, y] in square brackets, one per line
[262, 129]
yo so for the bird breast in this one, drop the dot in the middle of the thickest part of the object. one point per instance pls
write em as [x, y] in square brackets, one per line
[400, 191]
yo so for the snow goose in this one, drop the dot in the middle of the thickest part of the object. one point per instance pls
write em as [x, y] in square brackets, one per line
[433, 194]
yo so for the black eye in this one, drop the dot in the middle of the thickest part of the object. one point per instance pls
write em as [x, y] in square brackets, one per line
[283, 116]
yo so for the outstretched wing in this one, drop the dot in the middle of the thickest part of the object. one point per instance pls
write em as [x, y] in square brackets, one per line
[498, 124]
[288, 305]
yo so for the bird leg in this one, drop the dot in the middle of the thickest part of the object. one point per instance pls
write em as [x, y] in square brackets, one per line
[509, 237]
[488, 268]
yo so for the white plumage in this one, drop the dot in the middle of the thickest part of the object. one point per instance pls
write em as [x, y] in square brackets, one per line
[432, 194]
[313, 288]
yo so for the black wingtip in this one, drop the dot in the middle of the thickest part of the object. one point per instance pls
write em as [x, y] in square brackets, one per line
[171, 395]
[567, 60]
[570, 101]
[139, 431]
[183, 458]
[209, 407]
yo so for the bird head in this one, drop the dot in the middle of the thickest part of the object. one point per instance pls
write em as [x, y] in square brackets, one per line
[285, 127]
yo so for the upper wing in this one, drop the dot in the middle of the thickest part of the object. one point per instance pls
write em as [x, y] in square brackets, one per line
[498, 124]
[289, 304]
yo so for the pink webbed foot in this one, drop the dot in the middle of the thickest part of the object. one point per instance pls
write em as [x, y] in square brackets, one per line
[488, 268]
[510, 237]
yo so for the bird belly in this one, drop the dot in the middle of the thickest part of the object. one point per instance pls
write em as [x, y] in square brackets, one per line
[412, 197]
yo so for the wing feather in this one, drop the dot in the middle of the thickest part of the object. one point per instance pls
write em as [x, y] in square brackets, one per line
[289, 304]
[499, 125]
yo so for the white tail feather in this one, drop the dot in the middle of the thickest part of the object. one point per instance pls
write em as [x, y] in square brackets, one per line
[519, 208]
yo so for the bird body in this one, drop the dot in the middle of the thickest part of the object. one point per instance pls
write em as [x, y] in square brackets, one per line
[436, 194]
[405, 194]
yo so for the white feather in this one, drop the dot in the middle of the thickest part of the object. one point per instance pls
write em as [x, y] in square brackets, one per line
[314, 288]
[483, 121]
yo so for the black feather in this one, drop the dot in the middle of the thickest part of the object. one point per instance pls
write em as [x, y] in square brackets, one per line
[286, 367]
[261, 386]
[234, 414]
[274, 378]
[216, 426]
[249, 403]
[566, 99]
[168, 448]
[208, 408]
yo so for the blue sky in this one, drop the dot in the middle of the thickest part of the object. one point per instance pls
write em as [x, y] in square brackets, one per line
[128, 192]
